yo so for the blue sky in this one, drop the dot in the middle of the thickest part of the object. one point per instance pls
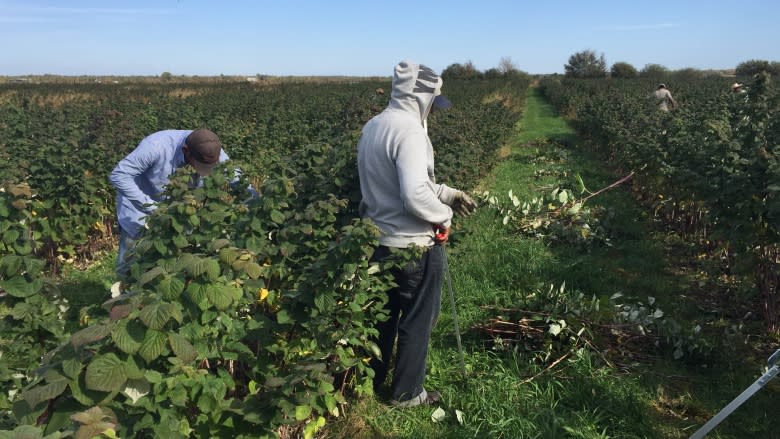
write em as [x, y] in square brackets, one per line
[307, 37]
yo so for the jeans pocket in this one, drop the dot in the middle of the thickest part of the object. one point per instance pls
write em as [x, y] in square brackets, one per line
[410, 277]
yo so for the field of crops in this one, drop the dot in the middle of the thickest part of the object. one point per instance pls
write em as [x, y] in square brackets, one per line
[252, 317]
[241, 316]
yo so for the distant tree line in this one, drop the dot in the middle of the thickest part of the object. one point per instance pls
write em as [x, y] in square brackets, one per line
[754, 66]
[505, 69]
[587, 64]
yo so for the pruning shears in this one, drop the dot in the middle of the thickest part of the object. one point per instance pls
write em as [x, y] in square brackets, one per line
[439, 233]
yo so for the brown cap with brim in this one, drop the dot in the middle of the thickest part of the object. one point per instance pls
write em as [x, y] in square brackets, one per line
[205, 145]
[204, 149]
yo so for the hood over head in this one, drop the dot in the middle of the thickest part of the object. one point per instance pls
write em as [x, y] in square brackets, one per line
[415, 88]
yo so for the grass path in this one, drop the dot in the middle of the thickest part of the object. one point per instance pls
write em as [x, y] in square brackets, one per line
[581, 397]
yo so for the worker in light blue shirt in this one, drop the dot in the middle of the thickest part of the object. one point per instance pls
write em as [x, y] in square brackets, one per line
[141, 176]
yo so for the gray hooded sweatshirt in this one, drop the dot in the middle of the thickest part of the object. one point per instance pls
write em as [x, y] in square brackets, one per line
[395, 163]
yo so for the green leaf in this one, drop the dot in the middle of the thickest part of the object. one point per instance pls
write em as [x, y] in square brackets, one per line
[228, 255]
[312, 427]
[156, 315]
[176, 312]
[184, 262]
[219, 243]
[134, 372]
[212, 269]
[90, 334]
[150, 275]
[159, 245]
[277, 217]
[153, 345]
[332, 405]
[219, 296]
[274, 382]
[196, 292]
[180, 241]
[170, 287]
[18, 286]
[10, 236]
[128, 336]
[283, 317]
[83, 395]
[34, 266]
[11, 264]
[207, 403]
[209, 267]
[45, 392]
[23, 247]
[153, 376]
[106, 373]
[240, 348]
[72, 368]
[25, 432]
[302, 412]
[25, 311]
[177, 225]
[182, 348]
[253, 270]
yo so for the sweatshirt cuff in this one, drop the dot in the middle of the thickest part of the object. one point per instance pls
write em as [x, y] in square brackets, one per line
[447, 194]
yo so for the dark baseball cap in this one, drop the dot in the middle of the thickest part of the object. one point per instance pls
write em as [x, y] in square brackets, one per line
[441, 102]
[204, 150]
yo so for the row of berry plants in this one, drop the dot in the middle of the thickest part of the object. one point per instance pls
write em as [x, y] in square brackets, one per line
[709, 167]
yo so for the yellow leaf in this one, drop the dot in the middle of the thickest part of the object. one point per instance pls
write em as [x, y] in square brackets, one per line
[262, 294]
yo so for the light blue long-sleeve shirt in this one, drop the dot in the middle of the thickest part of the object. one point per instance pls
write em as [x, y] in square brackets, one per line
[141, 177]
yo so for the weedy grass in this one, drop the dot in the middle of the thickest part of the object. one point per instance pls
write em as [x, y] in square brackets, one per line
[85, 290]
[507, 392]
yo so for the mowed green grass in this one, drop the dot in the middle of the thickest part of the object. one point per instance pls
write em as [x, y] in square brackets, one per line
[581, 397]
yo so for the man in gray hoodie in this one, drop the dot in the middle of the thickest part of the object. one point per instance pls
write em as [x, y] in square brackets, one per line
[400, 194]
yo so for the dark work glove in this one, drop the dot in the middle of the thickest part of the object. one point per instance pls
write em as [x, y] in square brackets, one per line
[462, 204]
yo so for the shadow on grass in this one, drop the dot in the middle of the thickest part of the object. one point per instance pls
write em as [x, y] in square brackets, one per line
[87, 289]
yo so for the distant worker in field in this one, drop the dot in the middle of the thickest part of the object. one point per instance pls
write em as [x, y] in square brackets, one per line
[396, 168]
[664, 98]
[739, 91]
[141, 176]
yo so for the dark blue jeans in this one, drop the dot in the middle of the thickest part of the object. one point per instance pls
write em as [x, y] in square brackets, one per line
[124, 258]
[414, 308]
